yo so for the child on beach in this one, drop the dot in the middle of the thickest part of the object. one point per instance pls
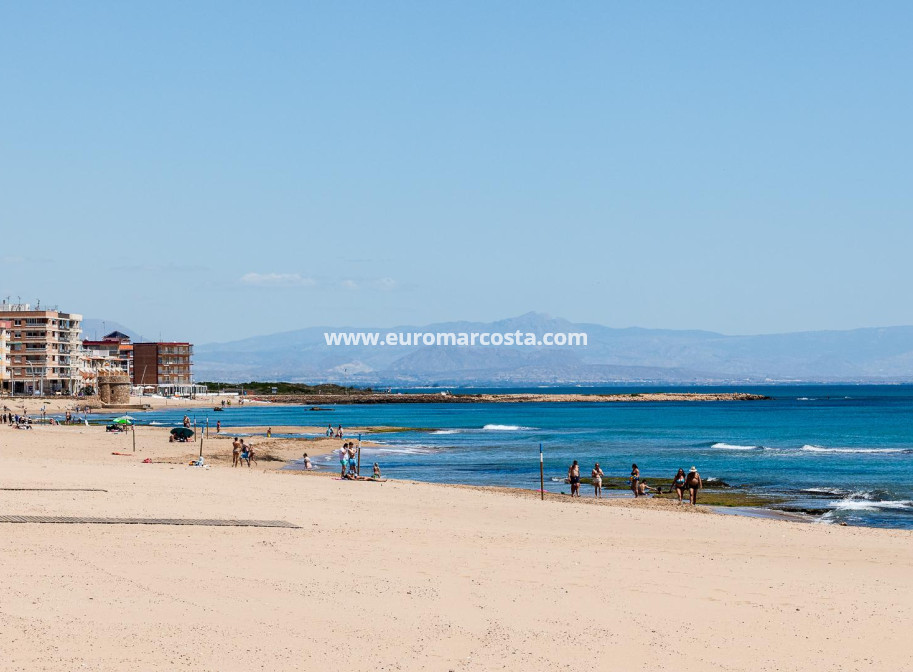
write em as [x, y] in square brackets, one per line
[376, 474]
[307, 462]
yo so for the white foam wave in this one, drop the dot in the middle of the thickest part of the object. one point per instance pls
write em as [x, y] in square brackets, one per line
[820, 449]
[730, 446]
[446, 431]
[155, 423]
[504, 428]
[868, 505]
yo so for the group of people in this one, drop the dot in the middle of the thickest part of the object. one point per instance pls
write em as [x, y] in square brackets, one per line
[348, 461]
[680, 483]
[334, 433]
[241, 452]
[16, 420]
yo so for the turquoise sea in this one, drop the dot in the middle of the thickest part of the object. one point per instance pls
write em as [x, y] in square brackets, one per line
[845, 452]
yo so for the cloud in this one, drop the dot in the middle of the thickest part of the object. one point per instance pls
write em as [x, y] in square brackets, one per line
[385, 284]
[276, 280]
[349, 284]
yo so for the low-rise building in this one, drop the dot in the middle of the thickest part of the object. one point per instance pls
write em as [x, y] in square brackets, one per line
[113, 351]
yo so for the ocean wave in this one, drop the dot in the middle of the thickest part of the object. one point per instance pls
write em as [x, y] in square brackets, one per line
[446, 431]
[852, 504]
[730, 446]
[505, 428]
[155, 423]
[821, 449]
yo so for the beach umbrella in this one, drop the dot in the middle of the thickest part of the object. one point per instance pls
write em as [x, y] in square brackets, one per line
[123, 420]
[182, 432]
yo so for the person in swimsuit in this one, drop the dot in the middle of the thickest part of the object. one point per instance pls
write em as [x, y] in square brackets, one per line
[679, 484]
[245, 453]
[251, 457]
[642, 488]
[597, 475]
[307, 462]
[235, 452]
[376, 474]
[343, 459]
[635, 477]
[693, 483]
[353, 463]
[573, 476]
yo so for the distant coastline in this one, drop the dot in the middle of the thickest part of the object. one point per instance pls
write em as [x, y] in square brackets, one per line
[508, 398]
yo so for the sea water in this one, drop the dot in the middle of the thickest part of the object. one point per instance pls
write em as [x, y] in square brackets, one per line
[845, 452]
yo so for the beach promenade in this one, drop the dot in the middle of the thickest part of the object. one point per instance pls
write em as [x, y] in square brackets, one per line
[407, 576]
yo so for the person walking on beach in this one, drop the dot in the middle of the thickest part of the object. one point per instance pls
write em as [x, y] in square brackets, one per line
[330, 430]
[218, 426]
[679, 484]
[235, 452]
[597, 475]
[694, 483]
[245, 453]
[269, 432]
[635, 477]
[573, 475]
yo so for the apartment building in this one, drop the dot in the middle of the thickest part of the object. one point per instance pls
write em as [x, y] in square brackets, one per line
[5, 327]
[162, 364]
[43, 350]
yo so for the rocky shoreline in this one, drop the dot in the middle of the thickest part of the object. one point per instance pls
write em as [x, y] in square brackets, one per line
[446, 398]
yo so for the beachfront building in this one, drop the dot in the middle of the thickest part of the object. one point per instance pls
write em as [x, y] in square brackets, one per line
[113, 352]
[43, 350]
[5, 327]
[166, 368]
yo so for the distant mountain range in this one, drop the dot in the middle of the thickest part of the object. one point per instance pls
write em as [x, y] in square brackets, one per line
[630, 355]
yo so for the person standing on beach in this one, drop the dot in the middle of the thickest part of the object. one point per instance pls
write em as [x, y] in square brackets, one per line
[245, 453]
[573, 475]
[635, 477]
[218, 426]
[343, 459]
[235, 452]
[679, 484]
[597, 481]
[694, 483]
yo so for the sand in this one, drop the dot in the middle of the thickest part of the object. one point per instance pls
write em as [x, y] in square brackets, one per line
[408, 576]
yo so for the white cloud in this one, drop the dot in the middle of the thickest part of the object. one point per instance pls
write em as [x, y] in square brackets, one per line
[277, 280]
[385, 284]
[349, 284]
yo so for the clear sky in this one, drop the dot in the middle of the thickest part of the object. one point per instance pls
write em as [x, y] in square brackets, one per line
[214, 170]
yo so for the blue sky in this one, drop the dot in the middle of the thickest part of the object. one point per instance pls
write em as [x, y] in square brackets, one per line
[211, 171]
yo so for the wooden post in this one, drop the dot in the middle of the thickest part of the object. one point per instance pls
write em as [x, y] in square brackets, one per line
[133, 431]
[358, 465]
[201, 443]
[541, 475]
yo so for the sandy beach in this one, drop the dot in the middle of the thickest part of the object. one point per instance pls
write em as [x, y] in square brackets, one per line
[409, 576]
